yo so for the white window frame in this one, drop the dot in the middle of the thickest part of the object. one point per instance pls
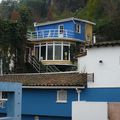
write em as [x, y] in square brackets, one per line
[78, 28]
[59, 100]
[59, 28]
[62, 44]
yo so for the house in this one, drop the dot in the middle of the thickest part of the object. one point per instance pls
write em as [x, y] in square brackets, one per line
[51, 42]
[102, 59]
[47, 96]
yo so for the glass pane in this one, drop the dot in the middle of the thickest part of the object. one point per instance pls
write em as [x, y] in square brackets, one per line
[37, 52]
[62, 95]
[61, 29]
[57, 52]
[50, 52]
[43, 52]
[65, 52]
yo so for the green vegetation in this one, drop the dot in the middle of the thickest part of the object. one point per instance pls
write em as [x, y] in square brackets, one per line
[13, 38]
[18, 17]
[105, 13]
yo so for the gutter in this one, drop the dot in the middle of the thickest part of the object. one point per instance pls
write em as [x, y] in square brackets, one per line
[52, 87]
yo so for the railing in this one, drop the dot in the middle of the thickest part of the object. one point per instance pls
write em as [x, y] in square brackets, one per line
[41, 68]
[50, 33]
[34, 63]
[52, 68]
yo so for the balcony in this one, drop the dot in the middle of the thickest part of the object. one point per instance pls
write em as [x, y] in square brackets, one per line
[50, 34]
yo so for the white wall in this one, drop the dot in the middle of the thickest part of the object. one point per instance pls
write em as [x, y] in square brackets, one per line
[89, 111]
[106, 74]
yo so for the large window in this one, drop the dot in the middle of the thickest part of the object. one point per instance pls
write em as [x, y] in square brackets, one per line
[50, 52]
[53, 51]
[58, 47]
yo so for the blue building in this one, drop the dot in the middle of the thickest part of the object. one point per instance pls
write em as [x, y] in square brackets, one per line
[48, 96]
[52, 41]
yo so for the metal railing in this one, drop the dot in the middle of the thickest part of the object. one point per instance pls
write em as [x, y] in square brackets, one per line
[52, 68]
[32, 60]
[50, 33]
[44, 68]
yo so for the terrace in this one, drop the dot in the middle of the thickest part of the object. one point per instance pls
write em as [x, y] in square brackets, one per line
[51, 34]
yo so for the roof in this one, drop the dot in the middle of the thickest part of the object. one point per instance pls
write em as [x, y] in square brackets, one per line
[56, 79]
[64, 20]
[104, 44]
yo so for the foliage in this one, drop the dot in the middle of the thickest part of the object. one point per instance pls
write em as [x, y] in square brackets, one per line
[13, 38]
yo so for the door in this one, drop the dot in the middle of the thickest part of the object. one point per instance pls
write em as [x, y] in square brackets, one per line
[61, 31]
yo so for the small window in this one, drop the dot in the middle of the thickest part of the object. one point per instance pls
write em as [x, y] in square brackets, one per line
[62, 96]
[61, 28]
[36, 118]
[78, 28]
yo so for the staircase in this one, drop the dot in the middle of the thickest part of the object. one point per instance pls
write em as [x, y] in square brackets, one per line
[39, 67]
[34, 62]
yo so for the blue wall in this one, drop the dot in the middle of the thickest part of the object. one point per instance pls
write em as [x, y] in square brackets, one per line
[31, 117]
[43, 102]
[68, 25]
[101, 94]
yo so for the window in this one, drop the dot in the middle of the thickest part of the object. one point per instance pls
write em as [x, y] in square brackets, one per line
[65, 52]
[43, 52]
[61, 28]
[36, 118]
[58, 51]
[62, 96]
[50, 52]
[37, 52]
[78, 28]
[53, 51]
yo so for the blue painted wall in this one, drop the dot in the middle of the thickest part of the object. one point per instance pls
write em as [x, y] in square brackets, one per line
[101, 94]
[43, 102]
[68, 25]
[31, 117]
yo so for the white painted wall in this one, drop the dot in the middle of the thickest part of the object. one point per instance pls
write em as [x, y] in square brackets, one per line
[106, 74]
[89, 111]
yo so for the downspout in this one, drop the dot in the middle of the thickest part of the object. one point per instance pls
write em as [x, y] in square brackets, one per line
[78, 92]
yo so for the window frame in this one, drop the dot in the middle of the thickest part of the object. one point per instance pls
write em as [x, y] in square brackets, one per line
[59, 92]
[78, 28]
[54, 44]
[61, 31]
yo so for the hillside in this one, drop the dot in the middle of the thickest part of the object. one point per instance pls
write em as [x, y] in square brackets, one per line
[105, 13]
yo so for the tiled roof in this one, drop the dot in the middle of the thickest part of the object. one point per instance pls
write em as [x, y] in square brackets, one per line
[104, 44]
[56, 79]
